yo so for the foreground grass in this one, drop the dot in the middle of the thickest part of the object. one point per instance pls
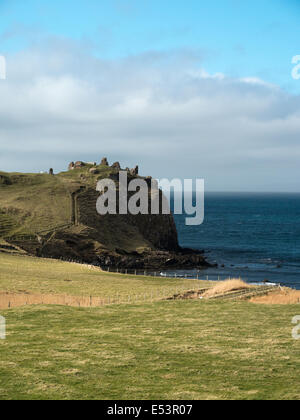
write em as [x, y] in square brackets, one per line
[37, 275]
[163, 350]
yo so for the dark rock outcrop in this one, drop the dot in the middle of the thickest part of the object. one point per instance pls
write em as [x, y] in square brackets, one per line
[104, 162]
[116, 165]
[134, 171]
[5, 180]
[155, 260]
[79, 164]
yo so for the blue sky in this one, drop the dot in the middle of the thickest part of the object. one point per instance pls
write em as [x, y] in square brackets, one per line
[183, 88]
[235, 37]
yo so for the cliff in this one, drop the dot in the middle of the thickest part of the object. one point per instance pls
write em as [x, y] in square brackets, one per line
[55, 216]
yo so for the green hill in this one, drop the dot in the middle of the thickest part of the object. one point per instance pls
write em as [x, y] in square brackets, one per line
[55, 216]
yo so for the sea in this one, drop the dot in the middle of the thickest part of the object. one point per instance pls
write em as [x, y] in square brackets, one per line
[253, 236]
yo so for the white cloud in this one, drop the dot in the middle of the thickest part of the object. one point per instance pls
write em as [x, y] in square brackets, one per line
[256, 81]
[161, 110]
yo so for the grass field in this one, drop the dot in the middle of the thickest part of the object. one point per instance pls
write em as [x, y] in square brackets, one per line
[189, 349]
[37, 275]
[164, 350]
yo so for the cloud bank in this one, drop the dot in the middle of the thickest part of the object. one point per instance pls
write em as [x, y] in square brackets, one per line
[162, 111]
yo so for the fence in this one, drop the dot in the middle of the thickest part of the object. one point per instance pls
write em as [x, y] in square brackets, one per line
[13, 300]
[151, 273]
[193, 276]
[158, 273]
[247, 293]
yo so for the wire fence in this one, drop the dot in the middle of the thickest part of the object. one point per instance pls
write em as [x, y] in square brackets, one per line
[247, 293]
[12, 300]
[177, 275]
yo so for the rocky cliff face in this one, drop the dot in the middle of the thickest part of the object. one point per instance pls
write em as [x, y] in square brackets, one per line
[55, 216]
[152, 231]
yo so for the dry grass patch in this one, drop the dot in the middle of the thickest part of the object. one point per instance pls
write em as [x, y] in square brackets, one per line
[225, 287]
[14, 300]
[285, 296]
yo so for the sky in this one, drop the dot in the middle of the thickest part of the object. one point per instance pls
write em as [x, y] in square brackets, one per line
[184, 89]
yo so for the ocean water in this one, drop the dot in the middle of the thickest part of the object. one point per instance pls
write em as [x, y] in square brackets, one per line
[252, 236]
